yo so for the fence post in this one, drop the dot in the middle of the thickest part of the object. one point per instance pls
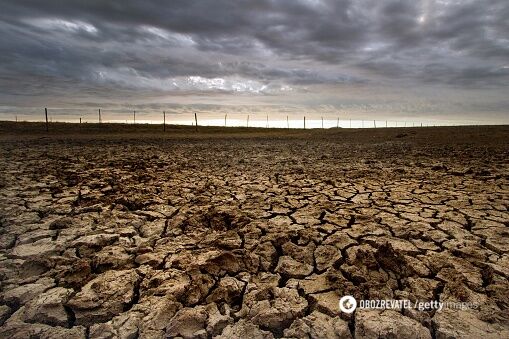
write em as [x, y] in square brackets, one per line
[337, 125]
[225, 119]
[196, 121]
[247, 124]
[134, 117]
[100, 120]
[304, 122]
[322, 122]
[374, 123]
[267, 121]
[46, 114]
[287, 122]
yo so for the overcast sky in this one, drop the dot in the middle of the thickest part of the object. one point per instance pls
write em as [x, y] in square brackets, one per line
[368, 59]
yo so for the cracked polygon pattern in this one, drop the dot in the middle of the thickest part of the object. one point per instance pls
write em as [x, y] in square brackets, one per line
[239, 236]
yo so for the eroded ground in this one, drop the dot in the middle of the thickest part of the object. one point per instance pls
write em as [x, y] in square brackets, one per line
[258, 237]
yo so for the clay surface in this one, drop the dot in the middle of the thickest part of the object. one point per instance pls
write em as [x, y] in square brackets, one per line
[253, 234]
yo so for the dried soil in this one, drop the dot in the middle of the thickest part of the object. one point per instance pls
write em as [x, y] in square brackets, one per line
[112, 231]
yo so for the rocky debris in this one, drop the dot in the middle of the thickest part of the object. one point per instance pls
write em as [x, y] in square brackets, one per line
[106, 296]
[205, 237]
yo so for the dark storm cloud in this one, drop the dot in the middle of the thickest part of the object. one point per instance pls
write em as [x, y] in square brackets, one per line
[264, 47]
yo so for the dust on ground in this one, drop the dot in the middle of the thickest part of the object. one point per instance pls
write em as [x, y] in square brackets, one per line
[110, 231]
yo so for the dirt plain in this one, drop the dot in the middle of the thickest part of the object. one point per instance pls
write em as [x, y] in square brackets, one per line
[118, 231]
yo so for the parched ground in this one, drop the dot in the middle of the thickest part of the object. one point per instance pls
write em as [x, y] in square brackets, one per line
[228, 233]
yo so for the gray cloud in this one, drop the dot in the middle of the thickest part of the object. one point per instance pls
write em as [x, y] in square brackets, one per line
[110, 50]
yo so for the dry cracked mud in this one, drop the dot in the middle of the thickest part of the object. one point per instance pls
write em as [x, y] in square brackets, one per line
[217, 235]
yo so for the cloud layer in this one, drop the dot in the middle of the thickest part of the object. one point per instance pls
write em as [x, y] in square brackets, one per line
[294, 53]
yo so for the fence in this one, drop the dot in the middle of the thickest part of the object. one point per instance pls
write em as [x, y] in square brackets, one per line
[250, 120]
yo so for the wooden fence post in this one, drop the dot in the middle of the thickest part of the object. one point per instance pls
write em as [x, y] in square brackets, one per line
[304, 122]
[46, 114]
[196, 121]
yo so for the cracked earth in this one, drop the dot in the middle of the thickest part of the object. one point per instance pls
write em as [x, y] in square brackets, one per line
[254, 236]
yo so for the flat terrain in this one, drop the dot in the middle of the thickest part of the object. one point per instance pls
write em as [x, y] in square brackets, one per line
[125, 231]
